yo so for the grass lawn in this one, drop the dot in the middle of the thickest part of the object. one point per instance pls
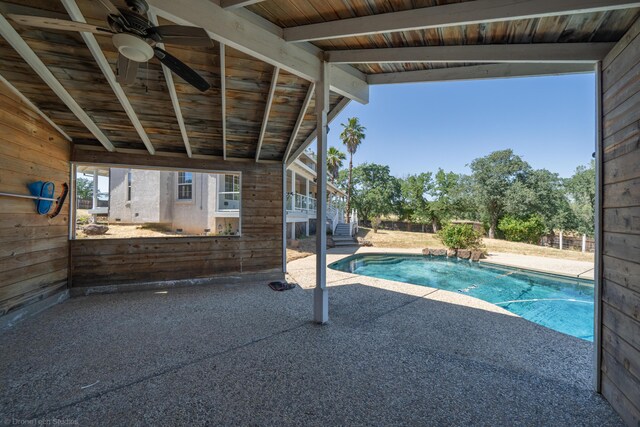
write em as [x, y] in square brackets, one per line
[405, 239]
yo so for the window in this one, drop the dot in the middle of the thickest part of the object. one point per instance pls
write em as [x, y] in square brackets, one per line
[229, 198]
[166, 203]
[129, 186]
[185, 185]
[232, 183]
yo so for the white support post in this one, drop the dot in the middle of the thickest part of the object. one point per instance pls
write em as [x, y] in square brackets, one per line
[307, 194]
[320, 294]
[95, 189]
[584, 243]
[560, 245]
[284, 217]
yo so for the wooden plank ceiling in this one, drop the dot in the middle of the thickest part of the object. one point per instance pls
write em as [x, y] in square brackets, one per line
[585, 27]
[248, 82]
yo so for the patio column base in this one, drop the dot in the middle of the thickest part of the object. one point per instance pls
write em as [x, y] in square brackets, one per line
[320, 305]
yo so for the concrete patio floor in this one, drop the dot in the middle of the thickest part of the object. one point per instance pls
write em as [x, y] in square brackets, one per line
[392, 354]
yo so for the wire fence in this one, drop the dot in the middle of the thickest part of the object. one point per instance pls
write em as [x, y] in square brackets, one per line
[569, 241]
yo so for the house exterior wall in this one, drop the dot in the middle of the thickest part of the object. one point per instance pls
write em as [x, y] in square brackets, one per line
[146, 189]
[34, 249]
[620, 215]
[103, 262]
[154, 199]
[192, 216]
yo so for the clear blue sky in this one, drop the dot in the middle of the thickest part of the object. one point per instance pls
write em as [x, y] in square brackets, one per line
[413, 128]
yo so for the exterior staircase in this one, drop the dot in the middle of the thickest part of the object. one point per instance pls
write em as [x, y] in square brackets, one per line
[342, 236]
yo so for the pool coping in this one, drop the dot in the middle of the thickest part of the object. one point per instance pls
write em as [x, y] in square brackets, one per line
[538, 270]
[343, 257]
[483, 261]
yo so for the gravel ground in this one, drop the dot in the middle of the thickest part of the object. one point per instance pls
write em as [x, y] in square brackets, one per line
[392, 354]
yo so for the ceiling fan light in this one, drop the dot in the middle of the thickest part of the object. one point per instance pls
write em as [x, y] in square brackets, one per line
[132, 47]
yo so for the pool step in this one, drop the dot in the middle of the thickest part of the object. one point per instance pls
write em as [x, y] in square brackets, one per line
[345, 243]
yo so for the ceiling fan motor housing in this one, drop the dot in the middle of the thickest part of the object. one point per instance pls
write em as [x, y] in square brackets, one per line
[132, 47]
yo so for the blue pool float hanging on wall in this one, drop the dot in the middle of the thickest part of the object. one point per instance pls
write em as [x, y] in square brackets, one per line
[44, 191]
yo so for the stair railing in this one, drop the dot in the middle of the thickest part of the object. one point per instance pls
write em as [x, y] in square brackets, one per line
[333, 214]
[353, 225]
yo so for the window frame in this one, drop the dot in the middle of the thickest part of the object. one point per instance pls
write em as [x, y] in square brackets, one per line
[184, 184]
[72, 191]
[129, 181]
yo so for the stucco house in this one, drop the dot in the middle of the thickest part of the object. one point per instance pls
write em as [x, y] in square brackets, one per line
[207, 203]
[183, 201]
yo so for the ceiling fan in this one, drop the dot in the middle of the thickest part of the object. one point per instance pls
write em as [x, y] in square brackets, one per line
[136, 39]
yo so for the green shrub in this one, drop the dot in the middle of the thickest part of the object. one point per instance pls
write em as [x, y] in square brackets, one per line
[82, 219]
[460, 236]
[519, 230]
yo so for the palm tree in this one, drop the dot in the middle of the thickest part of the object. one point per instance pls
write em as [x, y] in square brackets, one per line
[335, 158]
[351, 136]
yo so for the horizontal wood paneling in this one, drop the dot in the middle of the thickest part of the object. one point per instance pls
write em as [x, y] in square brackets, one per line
[621, 271]
[98, 262]
[34, 249]
[620, 402]
[622, 351]
[623, 220]
[620, 345]
[620, 375]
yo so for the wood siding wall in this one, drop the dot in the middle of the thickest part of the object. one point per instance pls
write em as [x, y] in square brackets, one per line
[620, 344]
[34, 250]
[98, 262]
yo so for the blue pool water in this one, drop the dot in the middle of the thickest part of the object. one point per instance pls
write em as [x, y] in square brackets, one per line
[557, 302]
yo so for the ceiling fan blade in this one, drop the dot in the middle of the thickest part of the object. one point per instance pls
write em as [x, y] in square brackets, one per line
[127, 70]
[110, 7]
[58, 24]
[181, 69]
[182, 35]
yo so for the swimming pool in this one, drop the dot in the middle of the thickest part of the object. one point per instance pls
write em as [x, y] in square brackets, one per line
[561, 303]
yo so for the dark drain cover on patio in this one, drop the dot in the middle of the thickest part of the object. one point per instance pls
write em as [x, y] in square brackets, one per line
[281, 286]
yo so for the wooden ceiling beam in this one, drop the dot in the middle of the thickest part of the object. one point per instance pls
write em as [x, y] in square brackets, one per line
[236, 4]
[34, 107]
[84, 154]
[266, 45]
[456, 14]
[299, 121]
[171, 87]
[267, 110]
[477, 72]
[502, 53]
[30, 57]
[223, 98]
[94, 47]
[332, 115]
